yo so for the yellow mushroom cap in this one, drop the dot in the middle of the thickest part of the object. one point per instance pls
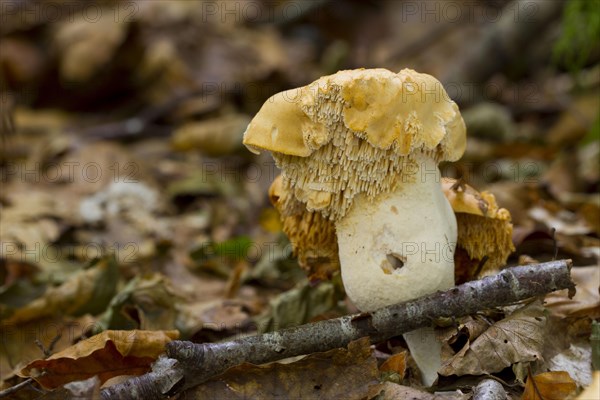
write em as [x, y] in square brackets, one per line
[356, 131]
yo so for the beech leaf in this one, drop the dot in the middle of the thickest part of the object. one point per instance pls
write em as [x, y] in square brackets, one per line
[108, 354]
[516, 338]
[554, 385]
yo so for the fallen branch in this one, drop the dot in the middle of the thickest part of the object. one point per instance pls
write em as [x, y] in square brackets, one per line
[14, 389]
[196, 363]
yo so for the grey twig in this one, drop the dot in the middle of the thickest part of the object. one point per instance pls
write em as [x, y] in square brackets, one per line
[14, 389]
[195, 363]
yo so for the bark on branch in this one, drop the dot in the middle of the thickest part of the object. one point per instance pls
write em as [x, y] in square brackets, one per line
[196, 363]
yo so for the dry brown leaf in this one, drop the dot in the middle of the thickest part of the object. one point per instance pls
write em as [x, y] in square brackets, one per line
[56, 333]
[516, 338]
[22, 60]
[563, 221]
[97, 165]
[108, 354]
[554, 385]
[88, 291]
[335, 374]
[29, 221]
[148, 302]
[586, 301]
[214, 137]
[575, 359]
[85, 47]
[211, 316]
[467, 329]
[575, 122]
[396, 363]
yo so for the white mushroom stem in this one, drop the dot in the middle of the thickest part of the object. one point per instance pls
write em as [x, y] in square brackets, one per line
[398, 247]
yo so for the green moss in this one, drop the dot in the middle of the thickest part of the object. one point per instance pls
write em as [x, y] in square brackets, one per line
[580, 34]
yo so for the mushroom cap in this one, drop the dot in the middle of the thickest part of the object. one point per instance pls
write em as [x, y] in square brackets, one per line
[356, 131]
[466, 199]
[312, 236]
[484, 229]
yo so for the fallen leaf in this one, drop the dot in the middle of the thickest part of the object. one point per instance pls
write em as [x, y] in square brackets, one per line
[147, 302]
[516, 338]
[56, 333]
[214, 137]
[29, 222]
[576, 360]
[277, 265]
[396, 363]
[586, 301]
[554, 385]
[85, 48]
[88, 291]
[299, 305]
[394, 368]
[108, 354]
[461, 334]
[94, 167]
[209, 318]
[36, 121]
[335, 374]
[563, 221]
[575, 122]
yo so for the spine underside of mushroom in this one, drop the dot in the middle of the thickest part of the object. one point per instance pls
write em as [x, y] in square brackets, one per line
[400, 246]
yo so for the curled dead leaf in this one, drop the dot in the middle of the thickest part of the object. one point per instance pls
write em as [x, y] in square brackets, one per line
[108, 354]
[88, 291]
[586, 301]
[516, 338]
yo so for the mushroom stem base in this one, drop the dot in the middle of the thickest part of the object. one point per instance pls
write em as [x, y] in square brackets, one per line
[426, 350]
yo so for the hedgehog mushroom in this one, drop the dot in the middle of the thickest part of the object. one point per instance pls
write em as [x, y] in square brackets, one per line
[362, 147]
[484, 230]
